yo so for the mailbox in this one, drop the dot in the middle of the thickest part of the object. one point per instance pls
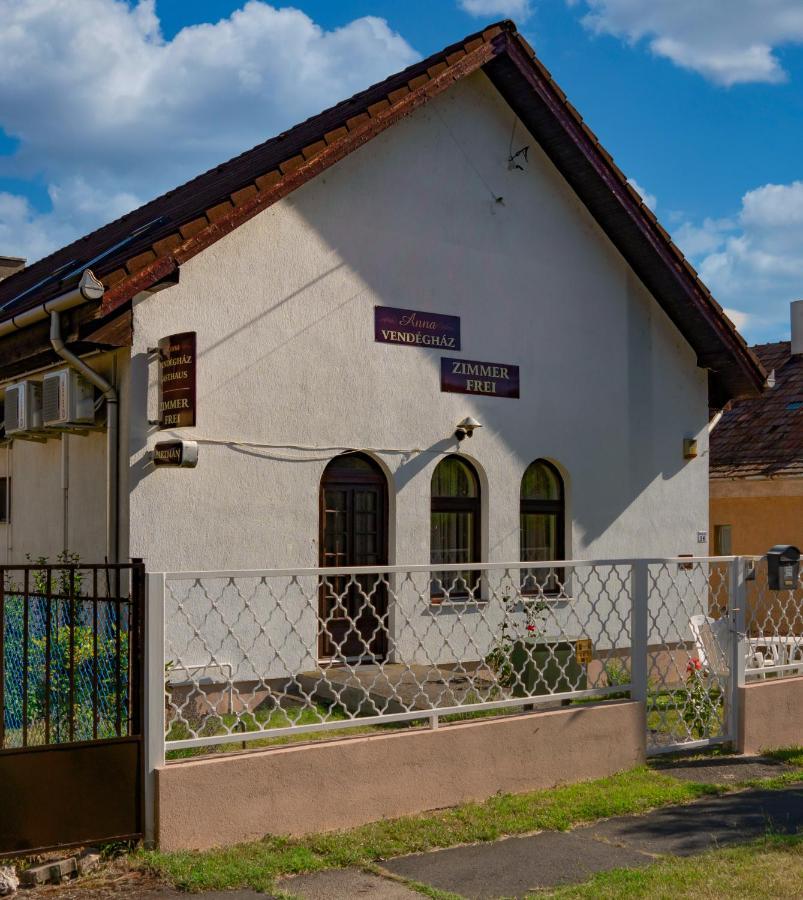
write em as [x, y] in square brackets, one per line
[783, 567]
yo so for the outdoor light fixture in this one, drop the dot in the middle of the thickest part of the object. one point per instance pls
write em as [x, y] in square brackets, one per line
[466, 428]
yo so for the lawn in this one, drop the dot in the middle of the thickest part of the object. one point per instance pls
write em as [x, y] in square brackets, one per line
[770, 868]
[263, 719]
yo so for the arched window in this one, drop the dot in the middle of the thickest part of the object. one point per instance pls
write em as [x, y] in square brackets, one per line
[455, 525]
[542, 524]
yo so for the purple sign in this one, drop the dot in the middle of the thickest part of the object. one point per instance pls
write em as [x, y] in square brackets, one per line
[415, 328]
[469, 376]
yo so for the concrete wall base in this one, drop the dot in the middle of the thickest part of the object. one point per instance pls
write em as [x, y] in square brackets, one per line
[771, 715]
[347, 782]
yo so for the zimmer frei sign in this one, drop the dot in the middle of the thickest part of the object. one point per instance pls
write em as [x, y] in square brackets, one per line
[470, 376]
[415, 328]
[177, 380]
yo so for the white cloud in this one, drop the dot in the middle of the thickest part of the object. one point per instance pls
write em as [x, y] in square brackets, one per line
[77, 207]
[649, 199]
[726, 41]
[97, 98]
[509, 9]
[753, 263]
[740, 319]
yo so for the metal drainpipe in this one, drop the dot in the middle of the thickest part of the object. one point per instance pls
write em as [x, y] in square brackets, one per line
[110, 395]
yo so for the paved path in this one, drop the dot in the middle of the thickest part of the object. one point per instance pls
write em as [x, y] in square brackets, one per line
[514, 866]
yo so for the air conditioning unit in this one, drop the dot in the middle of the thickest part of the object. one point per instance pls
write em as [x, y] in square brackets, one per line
[23, 407]
[68, 400]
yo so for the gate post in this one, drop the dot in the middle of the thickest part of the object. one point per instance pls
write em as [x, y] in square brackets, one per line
[154, 696]
[737, 614]
[639, 630]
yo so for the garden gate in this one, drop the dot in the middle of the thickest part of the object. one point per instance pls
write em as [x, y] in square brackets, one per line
[70, 704]
[687, 651]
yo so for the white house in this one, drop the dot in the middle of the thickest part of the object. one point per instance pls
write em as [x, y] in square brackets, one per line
[465, 192]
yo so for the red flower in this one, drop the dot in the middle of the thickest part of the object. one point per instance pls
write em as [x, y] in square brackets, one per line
[694, 665]
[531, 628]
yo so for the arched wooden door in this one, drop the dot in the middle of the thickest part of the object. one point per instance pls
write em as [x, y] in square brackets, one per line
[354, 528]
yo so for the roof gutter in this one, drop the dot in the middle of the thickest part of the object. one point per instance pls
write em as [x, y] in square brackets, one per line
[88, 288]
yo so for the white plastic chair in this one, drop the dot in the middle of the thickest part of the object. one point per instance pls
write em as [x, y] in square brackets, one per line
[712, 637]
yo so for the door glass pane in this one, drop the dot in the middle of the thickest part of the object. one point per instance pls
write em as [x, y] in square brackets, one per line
[335, 533]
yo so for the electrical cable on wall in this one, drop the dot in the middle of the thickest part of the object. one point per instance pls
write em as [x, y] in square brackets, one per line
[244, 446]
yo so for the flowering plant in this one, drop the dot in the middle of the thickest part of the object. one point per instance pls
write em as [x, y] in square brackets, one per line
[701, 712]
[510, 632]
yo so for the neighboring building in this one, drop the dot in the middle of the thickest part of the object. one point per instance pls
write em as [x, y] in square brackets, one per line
[757, 456]
[600, 350]
[9, 265]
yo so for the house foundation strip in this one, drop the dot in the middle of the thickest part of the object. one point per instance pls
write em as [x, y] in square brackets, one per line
[344, 783]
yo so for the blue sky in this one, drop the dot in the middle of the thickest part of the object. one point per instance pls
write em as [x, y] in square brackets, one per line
[106, 103]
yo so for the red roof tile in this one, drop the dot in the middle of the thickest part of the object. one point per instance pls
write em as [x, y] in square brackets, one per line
[763, 436]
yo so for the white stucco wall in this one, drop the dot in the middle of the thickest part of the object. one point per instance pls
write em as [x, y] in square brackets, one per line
[283, 308]
[58, 489]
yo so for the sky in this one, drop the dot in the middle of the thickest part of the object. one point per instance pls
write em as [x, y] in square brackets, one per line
[105, 104]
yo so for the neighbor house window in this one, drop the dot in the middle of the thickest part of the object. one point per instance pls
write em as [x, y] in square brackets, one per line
[455, 526]
[542, 525]
[5, 500]
[722, 540]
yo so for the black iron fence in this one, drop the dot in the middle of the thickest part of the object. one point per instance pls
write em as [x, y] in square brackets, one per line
[70, 653]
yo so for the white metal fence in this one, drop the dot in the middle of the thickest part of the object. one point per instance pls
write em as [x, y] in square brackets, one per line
[270, 655]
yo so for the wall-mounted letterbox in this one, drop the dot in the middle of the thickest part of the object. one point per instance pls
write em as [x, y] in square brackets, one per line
[783, 567]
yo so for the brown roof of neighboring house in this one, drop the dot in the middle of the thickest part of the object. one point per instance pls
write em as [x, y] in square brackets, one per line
[149, 244]
[762, 437]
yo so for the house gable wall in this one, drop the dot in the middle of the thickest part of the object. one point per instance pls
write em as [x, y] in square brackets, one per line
[428, 216]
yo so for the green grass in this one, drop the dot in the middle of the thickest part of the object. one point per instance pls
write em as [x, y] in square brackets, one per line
[263, 719]
[770, 868]
[257, 864]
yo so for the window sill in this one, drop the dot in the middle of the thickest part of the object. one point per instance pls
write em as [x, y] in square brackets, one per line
[457, 602]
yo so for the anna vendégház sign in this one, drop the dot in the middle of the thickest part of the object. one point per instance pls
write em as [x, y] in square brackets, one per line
[413, 328]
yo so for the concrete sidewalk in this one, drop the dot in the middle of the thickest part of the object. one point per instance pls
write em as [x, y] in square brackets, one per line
[514, 866]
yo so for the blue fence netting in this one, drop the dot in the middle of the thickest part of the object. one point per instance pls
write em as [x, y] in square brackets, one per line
[65, 662]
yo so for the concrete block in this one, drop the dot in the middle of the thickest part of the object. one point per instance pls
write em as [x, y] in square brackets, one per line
[52, 872]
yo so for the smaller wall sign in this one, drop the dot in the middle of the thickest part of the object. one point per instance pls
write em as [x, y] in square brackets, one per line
[177, 381]
[176, 454]
[583, 651]
[470, 376]
[415, 328]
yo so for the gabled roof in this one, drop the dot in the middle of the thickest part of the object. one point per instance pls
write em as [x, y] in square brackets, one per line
[762, 437]
[148, 245]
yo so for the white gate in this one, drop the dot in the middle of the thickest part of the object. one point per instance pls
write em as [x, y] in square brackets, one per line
[687, 638]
